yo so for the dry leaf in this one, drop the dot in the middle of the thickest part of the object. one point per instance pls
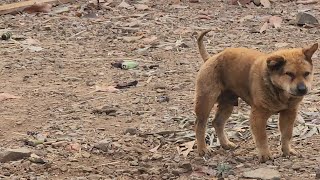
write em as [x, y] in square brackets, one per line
[266, 3]
[155, 149]
[264, 27]
[130, 39]
[5, 96]
[275, 21]
[141, 7]
[149, 40]
[280, 45]
[125, 5]
[246, 18]
[307, 2]
[38, 7]
[111, 89]
[240, 2]
[188, 148]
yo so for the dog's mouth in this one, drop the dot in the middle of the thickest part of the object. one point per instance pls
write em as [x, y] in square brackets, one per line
[296, 95]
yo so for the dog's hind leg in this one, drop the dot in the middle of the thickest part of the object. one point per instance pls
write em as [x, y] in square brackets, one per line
[203, 106]
[207, 93]
[223, 113]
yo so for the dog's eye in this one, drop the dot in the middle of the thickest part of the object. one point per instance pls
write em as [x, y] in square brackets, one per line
[306, 74]
[290, 74]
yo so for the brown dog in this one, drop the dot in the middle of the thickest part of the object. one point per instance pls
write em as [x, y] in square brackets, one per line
[269, 83]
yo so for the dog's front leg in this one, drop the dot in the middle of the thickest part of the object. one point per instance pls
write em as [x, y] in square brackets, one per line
[286, 122]
[258, 122]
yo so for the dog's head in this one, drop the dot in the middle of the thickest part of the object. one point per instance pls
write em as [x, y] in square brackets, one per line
[291, 70]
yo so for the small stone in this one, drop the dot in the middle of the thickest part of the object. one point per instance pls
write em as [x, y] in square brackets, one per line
[305, 18]
[134, 163]
[296, 166]
[36, 159]
[14, 154]
[103, 145]
[131, 131]
[257, 2]
[262, 173]
[85, 154]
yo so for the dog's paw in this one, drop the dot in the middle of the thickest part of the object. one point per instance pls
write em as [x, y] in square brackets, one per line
[289, 152]
[229, 145]
[205, 151]
[263, 157]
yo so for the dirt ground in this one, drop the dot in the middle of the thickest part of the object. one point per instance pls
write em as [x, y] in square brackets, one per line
[60, 67]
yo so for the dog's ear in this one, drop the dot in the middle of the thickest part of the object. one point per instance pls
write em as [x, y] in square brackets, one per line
[308, 52]
[275, 62]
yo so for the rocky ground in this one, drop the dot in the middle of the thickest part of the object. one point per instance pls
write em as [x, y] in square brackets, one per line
[67, 113]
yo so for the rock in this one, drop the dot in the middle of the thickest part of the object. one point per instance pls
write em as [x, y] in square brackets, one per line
[103, 145]
[36, 159]
[262, 173]
[305, 18]
[257, 2]
[131, 131]
[14, 154]
[296, 166]
[134, 163]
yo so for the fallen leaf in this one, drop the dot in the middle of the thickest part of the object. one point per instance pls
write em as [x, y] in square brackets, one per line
[307, 2]
[59, 10]
[149, 40]
[5, 96]
[186, 148]
[126, 85]
[130, 39]
[240, 2]
[38, 7]
[125, 5]
[246, 18]
[34, 48]
[264, 27]
[177, 6]
[275, 21]
[141, 7]
[155, 149]
[111, 89]
[280, 45]
[265, 3]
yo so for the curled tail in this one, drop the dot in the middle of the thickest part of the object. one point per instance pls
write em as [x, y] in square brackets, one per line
[202, 49]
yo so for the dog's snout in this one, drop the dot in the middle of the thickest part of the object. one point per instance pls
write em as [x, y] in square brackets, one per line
[302, 89]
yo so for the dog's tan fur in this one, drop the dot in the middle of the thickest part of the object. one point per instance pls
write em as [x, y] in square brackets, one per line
[269, 83]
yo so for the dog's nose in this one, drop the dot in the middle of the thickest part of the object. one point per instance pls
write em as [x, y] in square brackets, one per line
[301, 89]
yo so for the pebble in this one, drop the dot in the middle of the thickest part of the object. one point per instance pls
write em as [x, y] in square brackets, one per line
[131, 131]
[103, 145]
[36, 159]
[306, 18]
